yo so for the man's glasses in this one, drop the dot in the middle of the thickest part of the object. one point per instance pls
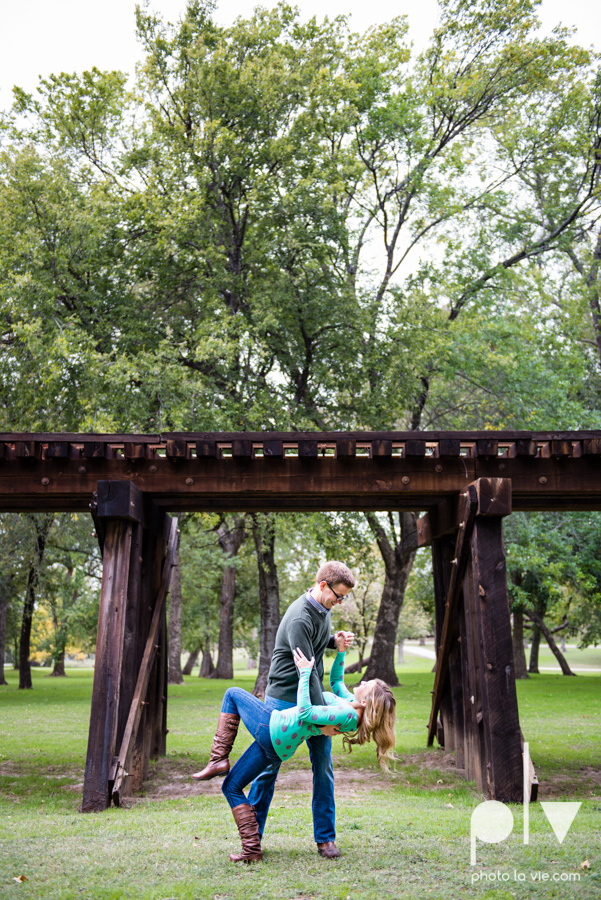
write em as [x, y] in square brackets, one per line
[338, 596]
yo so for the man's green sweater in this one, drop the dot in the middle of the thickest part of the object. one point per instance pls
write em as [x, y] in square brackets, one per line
[307, 628]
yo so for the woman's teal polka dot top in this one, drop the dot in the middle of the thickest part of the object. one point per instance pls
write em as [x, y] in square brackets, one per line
[290, 727]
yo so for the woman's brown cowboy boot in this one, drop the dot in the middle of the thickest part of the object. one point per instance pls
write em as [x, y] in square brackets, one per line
[248, 830]
[219, 764]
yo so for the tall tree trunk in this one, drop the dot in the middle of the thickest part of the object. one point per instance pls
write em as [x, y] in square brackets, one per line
[59, 665]
[207, 666]
[60, 641]
[4, 598]
[191, 661]
[41, 525]
[535, 617]
[534, 648]
[269, 594]
[175, 623]
[230, 540]
[519, 657]
[398, 558]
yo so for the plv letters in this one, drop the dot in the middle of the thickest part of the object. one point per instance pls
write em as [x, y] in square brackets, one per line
[492, 821]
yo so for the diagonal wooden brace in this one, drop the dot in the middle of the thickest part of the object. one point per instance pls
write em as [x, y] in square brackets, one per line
[461, 555]
[484, 497]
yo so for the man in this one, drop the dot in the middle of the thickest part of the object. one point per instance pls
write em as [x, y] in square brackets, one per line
[306, 625]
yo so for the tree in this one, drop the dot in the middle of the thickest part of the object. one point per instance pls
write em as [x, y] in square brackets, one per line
[231, 534]
[264, 532]
[398, 552]
[288, 225]
[201, 576]
[555, 577]
[40, 526]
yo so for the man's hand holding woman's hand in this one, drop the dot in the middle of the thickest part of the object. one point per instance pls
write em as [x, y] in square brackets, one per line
[344, 640]
[301, 660]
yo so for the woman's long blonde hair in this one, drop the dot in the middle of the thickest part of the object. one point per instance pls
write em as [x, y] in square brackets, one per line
[378, 720]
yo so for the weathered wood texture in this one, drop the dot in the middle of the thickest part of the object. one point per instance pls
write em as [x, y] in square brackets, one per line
[475, 677]
[104, 716]
[442, 560]
[450, 607]
[145, 669]
[295, 471]
[490, 603]
[150, 582]
[133, 539]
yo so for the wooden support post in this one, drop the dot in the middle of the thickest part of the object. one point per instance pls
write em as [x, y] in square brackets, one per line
[153, 551]
[136, 630]
[135, 581]
[154, 666]
[107, 672]
[474, 724]
[489, 602]
[475, 647]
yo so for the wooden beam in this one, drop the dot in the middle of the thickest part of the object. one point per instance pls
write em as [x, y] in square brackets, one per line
[273, 449]
[307, 449]
[177, 449]
[153, 554]
[447, 447]
[242, 449]
[28, 449]
[346, 449]
[414, 448]
[557, 448]
[121, 766]
[494, 499]
[137, 450]
[206, 449]
[494, 496]
[441, 520]
[381, 449]
[525, 447]
[299, 483]
[486, 447]
[120, 500]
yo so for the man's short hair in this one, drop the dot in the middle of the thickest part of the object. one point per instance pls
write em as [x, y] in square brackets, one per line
[335, 573]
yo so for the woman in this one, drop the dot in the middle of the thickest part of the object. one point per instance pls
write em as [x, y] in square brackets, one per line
[370, 710]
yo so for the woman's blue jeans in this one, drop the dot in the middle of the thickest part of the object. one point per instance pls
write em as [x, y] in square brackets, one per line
[260, 755]
[324, 806]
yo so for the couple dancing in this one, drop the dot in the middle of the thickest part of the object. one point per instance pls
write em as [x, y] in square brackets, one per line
[297, 709]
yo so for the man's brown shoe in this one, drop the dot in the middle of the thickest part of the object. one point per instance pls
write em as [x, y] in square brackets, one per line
[329, 850]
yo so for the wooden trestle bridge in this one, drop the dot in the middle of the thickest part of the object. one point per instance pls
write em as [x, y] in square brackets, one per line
[463, 483]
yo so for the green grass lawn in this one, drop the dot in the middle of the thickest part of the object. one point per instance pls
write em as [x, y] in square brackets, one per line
[403, 835]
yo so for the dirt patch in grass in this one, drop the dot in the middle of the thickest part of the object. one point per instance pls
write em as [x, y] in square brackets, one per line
[170, 779]
[583, 782]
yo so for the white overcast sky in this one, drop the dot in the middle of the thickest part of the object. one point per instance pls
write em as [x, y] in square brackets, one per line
[38, 37]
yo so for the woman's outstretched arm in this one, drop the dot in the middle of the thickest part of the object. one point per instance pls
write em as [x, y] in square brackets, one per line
[337, 678]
